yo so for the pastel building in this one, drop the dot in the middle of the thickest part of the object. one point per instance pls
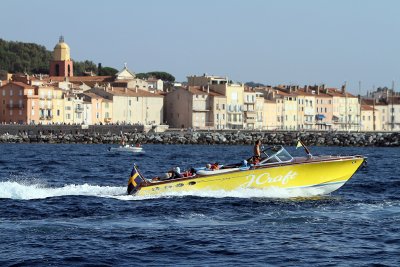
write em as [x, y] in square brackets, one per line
[271, 117]
[234, 93]
[133, 106]
[346, 110]
[101, 108]
[367, 118]
[195, 107]
[19, 103]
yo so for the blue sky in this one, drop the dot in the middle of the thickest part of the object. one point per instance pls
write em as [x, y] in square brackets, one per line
[272, 42]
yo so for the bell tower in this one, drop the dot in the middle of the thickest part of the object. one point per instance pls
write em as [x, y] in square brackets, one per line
[61, 63]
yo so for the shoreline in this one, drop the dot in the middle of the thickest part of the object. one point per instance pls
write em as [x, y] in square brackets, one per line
[112, 135]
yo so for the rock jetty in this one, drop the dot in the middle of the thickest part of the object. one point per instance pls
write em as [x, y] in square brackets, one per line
[391, 139]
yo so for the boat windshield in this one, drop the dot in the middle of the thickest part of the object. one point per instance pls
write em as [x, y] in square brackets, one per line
[276, 154]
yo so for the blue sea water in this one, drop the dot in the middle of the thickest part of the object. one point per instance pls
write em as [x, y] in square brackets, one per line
[65, 205]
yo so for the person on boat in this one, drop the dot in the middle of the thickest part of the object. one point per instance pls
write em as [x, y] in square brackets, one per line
[215, 166]
[137, 145]
[257, 149]
[208, 167]
[174, 173]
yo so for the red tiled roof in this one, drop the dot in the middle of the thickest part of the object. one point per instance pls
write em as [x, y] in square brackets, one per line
[80, 79]
[120, 91]
[366, 107]
[23, 85]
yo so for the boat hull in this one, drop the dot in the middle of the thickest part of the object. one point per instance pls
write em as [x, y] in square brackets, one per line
[316, 177]
[126, 149]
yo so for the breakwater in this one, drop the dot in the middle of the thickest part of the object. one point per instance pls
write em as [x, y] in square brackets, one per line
[87, 136]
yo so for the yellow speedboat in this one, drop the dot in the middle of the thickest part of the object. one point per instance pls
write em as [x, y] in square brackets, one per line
[311, 175]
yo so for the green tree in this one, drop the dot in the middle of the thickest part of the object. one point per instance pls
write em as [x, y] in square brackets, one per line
[165, 76]
[107, 71]
[81, 68]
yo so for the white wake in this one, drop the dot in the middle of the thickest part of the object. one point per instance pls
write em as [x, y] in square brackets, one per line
[25, 191]
[20, 190]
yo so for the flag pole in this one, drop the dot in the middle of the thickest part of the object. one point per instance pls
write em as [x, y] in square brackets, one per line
[305, 148]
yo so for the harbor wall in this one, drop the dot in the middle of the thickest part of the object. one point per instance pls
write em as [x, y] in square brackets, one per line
[112, 135]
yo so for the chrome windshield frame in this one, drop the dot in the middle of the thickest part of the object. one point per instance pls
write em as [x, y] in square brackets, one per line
[278, 155]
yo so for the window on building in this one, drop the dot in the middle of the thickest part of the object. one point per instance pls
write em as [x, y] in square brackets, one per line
[223, 106]
[129, 102]
[20, 92]
[20, 112]
[11, 92]
[33, 112]
[223, 116]
[58, 112]
[97, 105]
[107, 115]
[4, 92]
[97, 115]
[11, 103]
[326, 110]
[106, 105]
[11, 112]
[68, 116]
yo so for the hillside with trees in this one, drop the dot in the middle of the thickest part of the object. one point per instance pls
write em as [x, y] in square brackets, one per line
[19, 57]
[23, 57]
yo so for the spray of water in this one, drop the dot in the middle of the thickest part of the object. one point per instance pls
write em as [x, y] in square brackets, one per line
[28, 190]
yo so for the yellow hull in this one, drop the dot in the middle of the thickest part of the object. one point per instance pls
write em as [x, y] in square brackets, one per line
[328, 174]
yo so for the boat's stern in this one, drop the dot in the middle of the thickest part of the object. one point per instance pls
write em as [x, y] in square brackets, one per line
[135, 182]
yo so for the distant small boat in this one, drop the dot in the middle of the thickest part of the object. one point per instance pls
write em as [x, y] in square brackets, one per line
[127, 148]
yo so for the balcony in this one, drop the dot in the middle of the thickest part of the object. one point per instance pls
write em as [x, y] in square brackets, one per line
[200, 109]
[79, 109]
[250, 112]
[234, 111]
[47, 117]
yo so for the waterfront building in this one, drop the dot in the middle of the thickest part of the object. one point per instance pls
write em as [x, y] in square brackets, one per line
[253, 109]
[346, 110]
[133, 106]
[234, 93]
[367, 118]
[306, 109]
[48, 96]
[324, 109]
[101, 108]
[19, 103]
[271, 117]
[195, 107]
